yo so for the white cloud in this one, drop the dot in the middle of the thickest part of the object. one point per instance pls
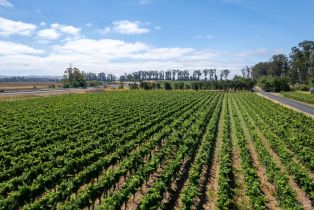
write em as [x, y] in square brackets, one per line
[5, 3]
[11, 27]
[48, 34]
[55, 31]
[126, 27]
[117, 56]
[279, 51]
[257, 52]
[66, 29]
[88, 24]
[105, 30]
[204, 37]
[164, 53]
[143, 2]
[104, 48]
[43, 23]
[11, 48]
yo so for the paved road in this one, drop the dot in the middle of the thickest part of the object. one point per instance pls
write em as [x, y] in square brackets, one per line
[294, 104]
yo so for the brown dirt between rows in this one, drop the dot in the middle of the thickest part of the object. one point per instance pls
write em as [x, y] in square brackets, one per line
[171, 199]
[267, 188]
[212, 184]
[300, 194]
[241, 200]
[134, 201]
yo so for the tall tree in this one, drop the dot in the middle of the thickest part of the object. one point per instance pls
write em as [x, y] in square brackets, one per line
[212, 73]
[197, 74]
[161, 75]
[73, 77]
[174, 72]
[206, 71]
[279, 65]
[246, 72]
[260, 69]
[168, 75]
[301, 62]
[224, 73]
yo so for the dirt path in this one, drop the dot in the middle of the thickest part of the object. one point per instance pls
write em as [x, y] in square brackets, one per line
[267, 188]
[212, 185]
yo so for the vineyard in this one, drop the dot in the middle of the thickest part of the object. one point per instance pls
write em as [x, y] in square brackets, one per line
[155, 150]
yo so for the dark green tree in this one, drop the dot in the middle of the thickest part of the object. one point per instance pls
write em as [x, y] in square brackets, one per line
[73, 77]
[302, 62]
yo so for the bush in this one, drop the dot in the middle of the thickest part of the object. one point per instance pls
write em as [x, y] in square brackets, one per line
[302, 87]
[178, 86]
[281, 84]
[121, 86]
[187, 86]
[148, 85]
[195, 85]
[273, 84]
[66, 85]
[167, 86]
[93, 83]
[312, 90]
[133, 86]
[266, 83]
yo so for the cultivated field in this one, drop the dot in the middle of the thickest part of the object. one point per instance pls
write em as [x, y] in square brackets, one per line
[155, 150]
[6, 86]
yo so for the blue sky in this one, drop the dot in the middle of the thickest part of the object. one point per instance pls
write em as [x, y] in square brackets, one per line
[43, 37]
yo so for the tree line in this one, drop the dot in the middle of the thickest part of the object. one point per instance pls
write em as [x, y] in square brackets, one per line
[73, 77]
[238, 83]
[273, 75]
[297, 67]
[175, 74]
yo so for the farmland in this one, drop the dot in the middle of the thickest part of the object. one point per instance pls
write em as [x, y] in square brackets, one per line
[9, 86]
[155, 150]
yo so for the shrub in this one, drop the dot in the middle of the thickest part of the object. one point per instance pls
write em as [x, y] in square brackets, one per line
[273, 84]
[187, 86]
[121, 86]
[168, 86]
[195, 86]
[66, 85]
[302, 87]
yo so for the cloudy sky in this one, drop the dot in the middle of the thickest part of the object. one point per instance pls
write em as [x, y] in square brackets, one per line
[114, 36]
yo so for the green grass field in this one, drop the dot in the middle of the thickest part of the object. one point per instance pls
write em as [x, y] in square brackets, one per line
[300, 96]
